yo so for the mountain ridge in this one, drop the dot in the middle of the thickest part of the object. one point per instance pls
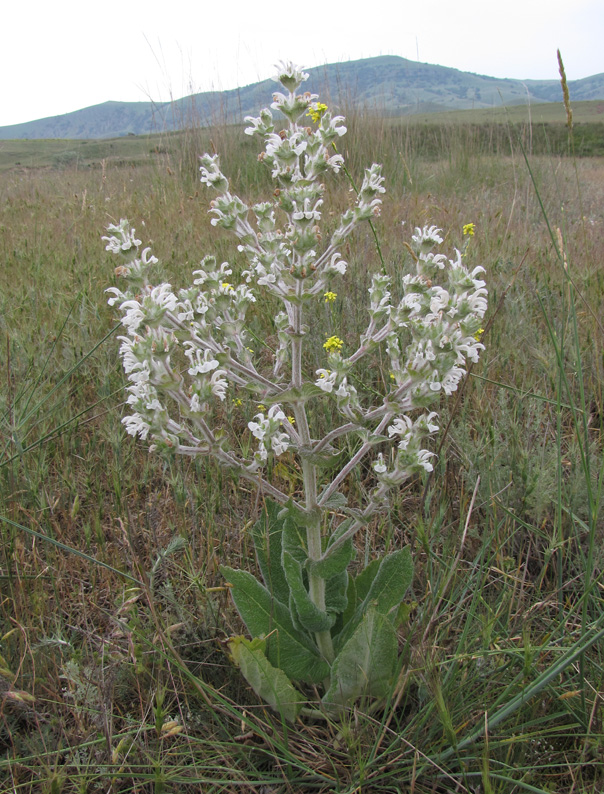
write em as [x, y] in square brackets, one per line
[390, 84]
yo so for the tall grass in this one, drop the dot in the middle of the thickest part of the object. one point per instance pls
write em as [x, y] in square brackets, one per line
[113, 617]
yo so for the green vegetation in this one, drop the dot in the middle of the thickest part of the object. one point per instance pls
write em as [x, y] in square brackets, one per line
[542, 130]
[113, 617]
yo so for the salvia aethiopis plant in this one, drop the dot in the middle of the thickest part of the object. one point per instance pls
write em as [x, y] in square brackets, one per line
[315, 626]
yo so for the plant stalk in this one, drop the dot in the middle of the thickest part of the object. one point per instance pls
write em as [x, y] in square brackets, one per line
[316, 585]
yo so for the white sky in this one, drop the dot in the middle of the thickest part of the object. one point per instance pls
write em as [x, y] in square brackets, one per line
[64, 55]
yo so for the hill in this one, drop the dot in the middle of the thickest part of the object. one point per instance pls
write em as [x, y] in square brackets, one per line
[391, 85]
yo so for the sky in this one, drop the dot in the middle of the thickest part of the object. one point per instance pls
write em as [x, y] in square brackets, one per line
[65, 55]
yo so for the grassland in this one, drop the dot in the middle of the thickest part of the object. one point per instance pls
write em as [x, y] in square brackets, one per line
[113, 615]
[542, 127]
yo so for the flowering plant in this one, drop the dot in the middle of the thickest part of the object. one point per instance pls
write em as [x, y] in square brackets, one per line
[311, 620]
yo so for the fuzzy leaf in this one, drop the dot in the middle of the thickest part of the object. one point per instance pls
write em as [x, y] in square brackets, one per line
[294, 395]
[336, 592]
[336, 562]
[294, 540]
[382, 586]
[326, 459]
[309, 615]
[267, 534]
[351, 605]
[391, 581]
[335, 502]
[286, 648]
[268, 682]
[364, 579]
[365, 665]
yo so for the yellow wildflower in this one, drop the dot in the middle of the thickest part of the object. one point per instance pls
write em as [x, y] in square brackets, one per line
[469, 229]
[291, 420]
[478, 334]
[237, 402]
[333, 344]
[316, 111]
[330, 297]
[261, 407]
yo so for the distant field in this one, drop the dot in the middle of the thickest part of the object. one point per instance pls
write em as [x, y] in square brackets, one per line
[547, 122]
[542, 113]
[57, 153]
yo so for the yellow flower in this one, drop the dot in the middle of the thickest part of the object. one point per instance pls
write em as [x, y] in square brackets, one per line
[261, 407]
[237, 402]
[478, 334]
[469, 229]
[316, 111]
[291, 420]
[330, 297]
[333, 344]
[226, 285]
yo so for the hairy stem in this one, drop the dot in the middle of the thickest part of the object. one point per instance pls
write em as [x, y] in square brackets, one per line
[316, 585]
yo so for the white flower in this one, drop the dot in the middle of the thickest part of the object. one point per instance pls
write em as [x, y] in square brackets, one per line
[427, 237]
[126, 239]
[401, 426]
[439, 299]
[337, 264]
[275, 412]
[201, 361]
[163, 297]
[451, 379]
[423, 459]
[379, 466]
[118, 295]
[219, 384]
[478, 302]
[289, 75]
[266, 430]
[425, 422]
[258, 429]
[279, 443]
[136, 425]
[196, 405]
[326, 380]
[134, 315]
[343, 389]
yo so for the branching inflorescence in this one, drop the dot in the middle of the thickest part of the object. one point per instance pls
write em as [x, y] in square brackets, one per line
[185, 352]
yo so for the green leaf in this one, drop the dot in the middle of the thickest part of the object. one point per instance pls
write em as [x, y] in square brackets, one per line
[268, 682]
[336, 562]
[365, 665]
[391, 582]
[310, 616]
[294, 541]
[336, 592]
[364, 579]
[326, 459]
[294, 395]
[351, 605]
[267, 534]
[335, 502]
[385, 581]
[287, 648]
